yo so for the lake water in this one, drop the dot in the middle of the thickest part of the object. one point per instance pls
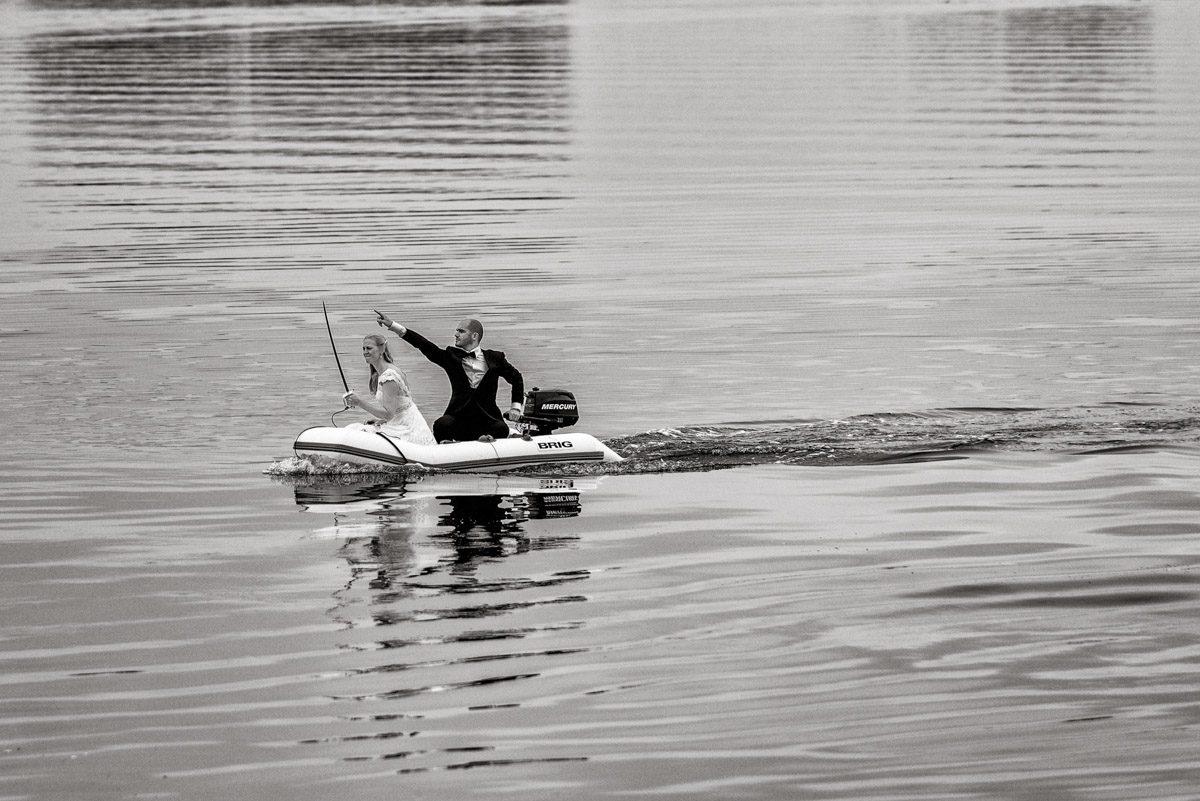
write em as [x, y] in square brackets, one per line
[891, 307]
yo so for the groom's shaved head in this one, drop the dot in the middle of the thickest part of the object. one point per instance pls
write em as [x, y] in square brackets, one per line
[468, 334]
[472, 325]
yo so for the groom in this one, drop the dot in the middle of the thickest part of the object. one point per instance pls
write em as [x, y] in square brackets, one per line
[474, 375]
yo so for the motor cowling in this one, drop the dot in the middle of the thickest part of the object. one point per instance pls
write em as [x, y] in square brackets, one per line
[546, 410]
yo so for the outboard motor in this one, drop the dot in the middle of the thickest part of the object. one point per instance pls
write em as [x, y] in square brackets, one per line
[546, 410]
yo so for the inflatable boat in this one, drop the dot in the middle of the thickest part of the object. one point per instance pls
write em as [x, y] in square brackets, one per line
[368, 445]
[533, 443]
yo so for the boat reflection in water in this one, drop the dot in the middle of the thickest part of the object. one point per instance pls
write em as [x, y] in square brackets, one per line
[451, 612]
[430, 536]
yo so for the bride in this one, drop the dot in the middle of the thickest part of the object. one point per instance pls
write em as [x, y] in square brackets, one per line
[392, 405]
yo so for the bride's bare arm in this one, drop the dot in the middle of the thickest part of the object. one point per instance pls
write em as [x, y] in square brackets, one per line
[391, 401]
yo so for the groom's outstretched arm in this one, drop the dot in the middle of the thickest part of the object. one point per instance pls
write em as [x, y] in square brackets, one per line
[427, 348]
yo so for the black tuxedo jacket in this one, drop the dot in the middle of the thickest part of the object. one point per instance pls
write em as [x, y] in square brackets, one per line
[463, 399]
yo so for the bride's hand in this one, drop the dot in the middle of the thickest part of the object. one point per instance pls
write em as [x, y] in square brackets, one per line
[350, 399]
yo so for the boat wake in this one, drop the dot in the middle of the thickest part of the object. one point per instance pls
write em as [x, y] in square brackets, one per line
[867, 439]
[296, 469]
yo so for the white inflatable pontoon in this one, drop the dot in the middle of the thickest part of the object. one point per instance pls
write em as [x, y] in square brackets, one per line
[370, 445]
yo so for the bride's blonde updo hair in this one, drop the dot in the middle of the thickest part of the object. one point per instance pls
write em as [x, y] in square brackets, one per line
[380, 342]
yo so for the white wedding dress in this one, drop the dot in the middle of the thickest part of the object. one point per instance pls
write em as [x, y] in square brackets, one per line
[407, 423]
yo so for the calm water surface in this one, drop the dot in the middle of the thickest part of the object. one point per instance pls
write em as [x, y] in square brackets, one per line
[891, 307]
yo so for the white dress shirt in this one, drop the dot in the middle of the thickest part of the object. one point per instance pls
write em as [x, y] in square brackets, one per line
[475, 366]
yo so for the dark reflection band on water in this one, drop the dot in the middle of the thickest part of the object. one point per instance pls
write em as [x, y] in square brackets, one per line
[360, 142]
[1055, 69]
[1069, 83]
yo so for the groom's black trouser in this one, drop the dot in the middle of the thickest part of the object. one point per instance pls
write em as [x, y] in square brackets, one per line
[463, 427]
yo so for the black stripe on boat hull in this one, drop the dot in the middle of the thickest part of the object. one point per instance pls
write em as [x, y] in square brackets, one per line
[374, 456]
